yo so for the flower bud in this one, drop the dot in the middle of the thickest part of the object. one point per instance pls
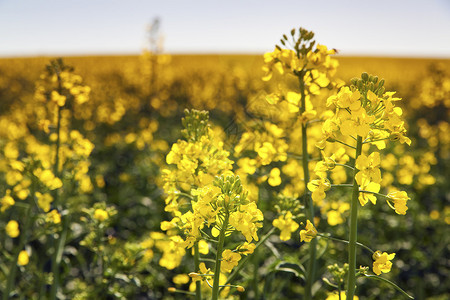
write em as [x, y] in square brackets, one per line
[240, 288]
[376, 254]
[365, 76]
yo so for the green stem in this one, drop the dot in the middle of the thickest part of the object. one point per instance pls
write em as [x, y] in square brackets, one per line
[346, 166]
[198, 284]
[344, 241]
[215, 289]
[342, 185]
[22, 242]
[307, 198]
[353, 228]
[345, 144]
[391, 283]
[60, 241]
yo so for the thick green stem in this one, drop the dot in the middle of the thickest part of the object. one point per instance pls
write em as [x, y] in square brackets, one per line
[198, 284]
[307, 197]
[353, 235]
[215, 289]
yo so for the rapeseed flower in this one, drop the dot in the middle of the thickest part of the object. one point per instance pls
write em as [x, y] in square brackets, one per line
[308, 233]
[12, 229]
[382, 262]
[286, 225]
[230, 260]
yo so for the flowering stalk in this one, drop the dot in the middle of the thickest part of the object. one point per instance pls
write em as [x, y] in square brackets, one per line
[307, 197]
[59, 243]
[198, 284]
[353, 225]
[215, 288]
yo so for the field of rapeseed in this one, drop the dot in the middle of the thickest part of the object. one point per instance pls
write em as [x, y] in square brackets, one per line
[297, 174]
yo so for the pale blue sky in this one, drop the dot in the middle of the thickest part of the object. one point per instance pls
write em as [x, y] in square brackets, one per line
[376, 27]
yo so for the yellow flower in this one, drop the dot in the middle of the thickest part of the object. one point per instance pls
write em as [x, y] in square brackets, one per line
[53, 216]
[382, 262]
[286, 225]
[370, 187]
[181, 279]
[369, 168]
[274, 178]
[318, 188]
[343, 296]
[100, 214]
[44, 201]
[399, 198]
[7, 201]
[230, 260]
[57, 98]
[12, 229]
[345, 98]
[308, 234]
[246, 248]
[23, 258]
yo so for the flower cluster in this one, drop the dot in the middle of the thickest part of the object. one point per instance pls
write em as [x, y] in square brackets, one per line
[363, 110]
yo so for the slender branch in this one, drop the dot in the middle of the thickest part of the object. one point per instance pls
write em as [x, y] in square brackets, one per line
[346, 166]
[391, 283]
[346, 242]
[373, 141]
[369, 192]
[345, 144]
[342, 185]
[353, 228]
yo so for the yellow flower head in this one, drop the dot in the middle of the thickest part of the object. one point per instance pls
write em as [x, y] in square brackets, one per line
[12, 229]
[286, 225]
[246, 248]
[336, 296]
[23, 258]
[382, 262]
[308, 233]
[399, 198]
[369, 168]
[100, 214]
[230, 260]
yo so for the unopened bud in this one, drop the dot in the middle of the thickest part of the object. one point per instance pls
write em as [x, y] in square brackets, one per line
[365, 76]
[194, 275]
[172, 289]
[240, 288]
[376, 254]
